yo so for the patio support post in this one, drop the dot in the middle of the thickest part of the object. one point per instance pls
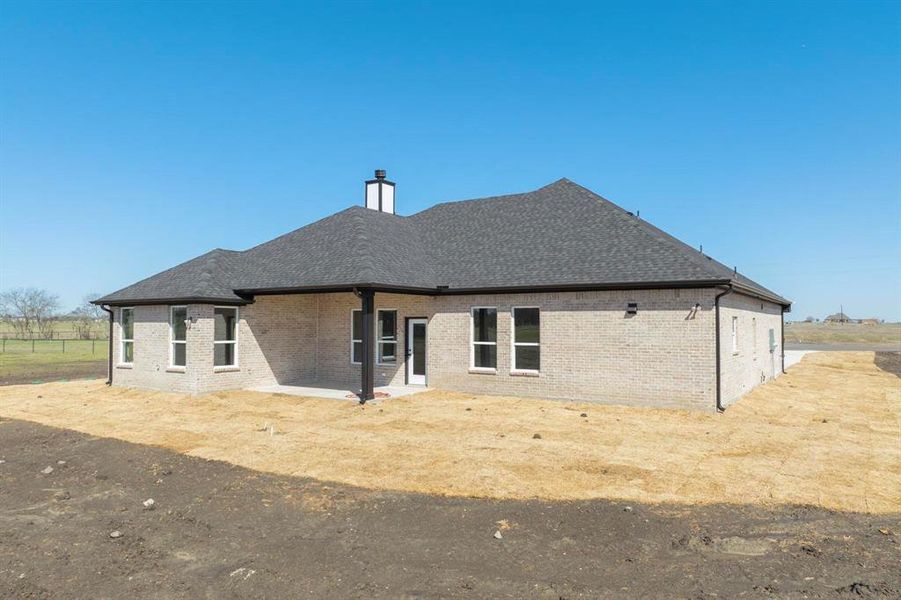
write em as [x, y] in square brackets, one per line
[367, 389]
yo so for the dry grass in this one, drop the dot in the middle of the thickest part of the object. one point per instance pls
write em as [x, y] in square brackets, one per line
[881, 334]
[825, 434]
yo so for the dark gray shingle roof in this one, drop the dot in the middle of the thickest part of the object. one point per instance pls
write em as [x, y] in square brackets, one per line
[560, 235]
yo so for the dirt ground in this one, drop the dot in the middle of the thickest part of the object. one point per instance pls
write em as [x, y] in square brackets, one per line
[826, 434]
[220, 531]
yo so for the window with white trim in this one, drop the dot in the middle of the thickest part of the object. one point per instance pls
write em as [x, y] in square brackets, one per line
[387, 336]
[225, 336]
[178, 336]
[526, 339]
[734, 335]
[127, 343]
[484, 337]
[356, 336]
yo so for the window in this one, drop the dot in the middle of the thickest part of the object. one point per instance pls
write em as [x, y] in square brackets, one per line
[127, 324]
[484, 338]
[225, 336]
[526, 339]
[734, 335]
[356, 336]
[178, 335]
[387, 336]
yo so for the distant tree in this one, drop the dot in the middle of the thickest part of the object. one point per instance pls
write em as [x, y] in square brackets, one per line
[809, 320]
[87, 316]
[29, 311]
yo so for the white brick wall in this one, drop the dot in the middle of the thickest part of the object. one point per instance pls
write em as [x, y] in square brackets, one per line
[590, 349]
[753, 363]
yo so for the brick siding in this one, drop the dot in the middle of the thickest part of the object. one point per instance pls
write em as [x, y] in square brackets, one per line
[591, 349]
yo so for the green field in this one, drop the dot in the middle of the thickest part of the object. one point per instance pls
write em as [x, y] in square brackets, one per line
[849, 333]
[50, 360]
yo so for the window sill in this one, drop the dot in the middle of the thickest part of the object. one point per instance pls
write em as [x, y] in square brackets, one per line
[125, 366]
[385, 364]
[525, 373]
[226, 369]
[482, 371]
[176, 369]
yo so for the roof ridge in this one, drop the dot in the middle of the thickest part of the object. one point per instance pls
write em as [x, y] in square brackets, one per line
[293, 231]
[363, 248]
[655, 232]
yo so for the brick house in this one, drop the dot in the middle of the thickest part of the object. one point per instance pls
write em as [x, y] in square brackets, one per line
[554, 293]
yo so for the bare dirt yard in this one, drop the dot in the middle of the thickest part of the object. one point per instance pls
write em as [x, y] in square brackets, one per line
[826, 434]
[794, 492]
[221, 531]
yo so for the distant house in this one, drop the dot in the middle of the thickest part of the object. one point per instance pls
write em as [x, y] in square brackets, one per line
[554, 293]
[870, 321]
[839, 317]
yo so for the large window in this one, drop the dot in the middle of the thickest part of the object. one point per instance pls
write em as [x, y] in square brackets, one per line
[178, 336]
[127, 348]
[225, 336]
[387, 336]
[526, 339]
[356, 336]
[484, 338]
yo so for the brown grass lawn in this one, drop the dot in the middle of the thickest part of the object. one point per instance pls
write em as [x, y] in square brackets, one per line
[888, 334]
[828, 433]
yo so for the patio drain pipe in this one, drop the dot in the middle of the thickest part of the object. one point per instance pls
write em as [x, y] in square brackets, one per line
[109, 366]
[719, 392]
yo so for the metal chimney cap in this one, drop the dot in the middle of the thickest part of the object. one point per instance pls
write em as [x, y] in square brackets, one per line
[380, 173]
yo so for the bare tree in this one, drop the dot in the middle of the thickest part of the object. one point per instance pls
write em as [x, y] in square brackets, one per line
[86, 317]
[29, 311]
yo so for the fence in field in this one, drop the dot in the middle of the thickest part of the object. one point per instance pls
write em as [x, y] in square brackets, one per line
[35, 345]
[57, 335]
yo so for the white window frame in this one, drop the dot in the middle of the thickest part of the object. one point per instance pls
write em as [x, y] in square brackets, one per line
[237, 363]
[173, 341]
[473, 343]
[514, 343]
[379, 341]
[734, 335]
[123, 339]
[352, 339]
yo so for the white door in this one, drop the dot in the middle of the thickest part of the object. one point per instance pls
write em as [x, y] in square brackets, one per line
[416, 353]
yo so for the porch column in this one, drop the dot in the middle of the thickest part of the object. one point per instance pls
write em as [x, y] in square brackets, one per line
[367, 388]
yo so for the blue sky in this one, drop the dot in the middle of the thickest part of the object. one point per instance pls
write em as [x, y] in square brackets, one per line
[136, 136]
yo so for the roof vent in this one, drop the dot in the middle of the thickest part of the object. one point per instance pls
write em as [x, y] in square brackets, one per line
[380, 193]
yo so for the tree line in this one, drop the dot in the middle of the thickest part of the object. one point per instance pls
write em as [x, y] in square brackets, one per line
[35, 313]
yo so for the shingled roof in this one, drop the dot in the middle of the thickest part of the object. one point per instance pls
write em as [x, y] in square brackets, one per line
[561, 236]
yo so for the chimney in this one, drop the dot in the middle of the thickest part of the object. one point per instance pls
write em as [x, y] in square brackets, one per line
[380, 193]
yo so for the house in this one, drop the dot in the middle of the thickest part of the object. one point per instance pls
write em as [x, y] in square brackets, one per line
[554, 293]
[839, 317]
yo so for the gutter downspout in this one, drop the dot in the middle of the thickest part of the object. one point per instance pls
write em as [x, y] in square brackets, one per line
[716, 307]
[109, 379]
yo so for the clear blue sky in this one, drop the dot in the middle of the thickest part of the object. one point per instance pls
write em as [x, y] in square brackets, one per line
[136, 136]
